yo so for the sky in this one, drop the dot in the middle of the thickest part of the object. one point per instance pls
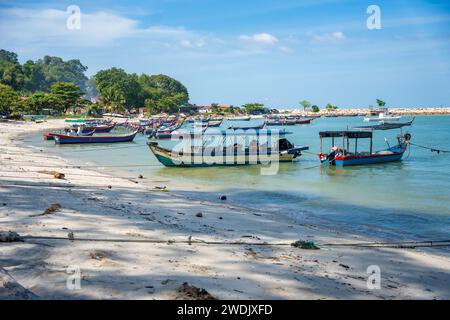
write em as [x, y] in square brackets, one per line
[276, 52]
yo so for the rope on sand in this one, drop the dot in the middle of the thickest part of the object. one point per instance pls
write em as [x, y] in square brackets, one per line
[298, 244]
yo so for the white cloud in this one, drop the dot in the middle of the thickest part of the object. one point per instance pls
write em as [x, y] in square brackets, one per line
[48, 27]
[333, 37]
[262, 38]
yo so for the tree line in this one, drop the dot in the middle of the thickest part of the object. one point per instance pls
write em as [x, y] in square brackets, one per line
[52, 83]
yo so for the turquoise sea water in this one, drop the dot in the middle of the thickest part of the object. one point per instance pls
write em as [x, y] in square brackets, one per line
[406, 200]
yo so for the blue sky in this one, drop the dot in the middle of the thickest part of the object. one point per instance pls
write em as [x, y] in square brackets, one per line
[238, 51]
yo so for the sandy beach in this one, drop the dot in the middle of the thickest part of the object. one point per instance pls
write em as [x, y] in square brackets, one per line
[149, 242]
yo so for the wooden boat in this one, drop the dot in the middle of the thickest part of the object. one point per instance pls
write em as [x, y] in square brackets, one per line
[303, 121]
[209, 124]
[228, 154]
[100, 128]
[341, 156]
[281, 123]
[239, 119]
[51, 135]
[258, 127]
[64, 139]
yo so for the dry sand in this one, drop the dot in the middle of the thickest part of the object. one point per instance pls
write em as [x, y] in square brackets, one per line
[132, 210]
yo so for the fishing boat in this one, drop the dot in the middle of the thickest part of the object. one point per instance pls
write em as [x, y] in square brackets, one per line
[303, 121]
[342, 156]
[51, 135]
[65, 139]
[382, 117]
[258, 127]
[78, 120]
[209, 124]
[262, 147]
[239, 119]
[99, 128]
[281, 123]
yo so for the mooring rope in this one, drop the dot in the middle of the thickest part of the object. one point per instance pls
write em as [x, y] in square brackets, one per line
[429, 148]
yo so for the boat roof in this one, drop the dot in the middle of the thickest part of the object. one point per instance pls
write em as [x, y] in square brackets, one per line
[346, 133]
[233, 132]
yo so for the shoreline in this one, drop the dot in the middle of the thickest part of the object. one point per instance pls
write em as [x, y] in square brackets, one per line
[132, 210]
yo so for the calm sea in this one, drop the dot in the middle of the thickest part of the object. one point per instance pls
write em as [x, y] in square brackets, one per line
[407, 200]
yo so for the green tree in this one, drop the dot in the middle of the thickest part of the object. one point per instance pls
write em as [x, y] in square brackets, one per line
[305, 104]
[9, 100]
[10, 70]
[119, 89]
[254, 108]
[381, 103]
[315, 108]
[68, 93]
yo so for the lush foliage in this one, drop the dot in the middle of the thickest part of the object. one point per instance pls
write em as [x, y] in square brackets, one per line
[39, 75]
[9, 99]
[67, 93]
[330, 107]
[305, 104]
[254, 108]
[158, 93]
[315, 108]
[381, 103]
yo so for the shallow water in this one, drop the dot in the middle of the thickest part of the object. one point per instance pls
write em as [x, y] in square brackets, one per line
[402, 200]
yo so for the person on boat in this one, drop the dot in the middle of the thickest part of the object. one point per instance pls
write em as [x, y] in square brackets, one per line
[332, 155]
[80, 131]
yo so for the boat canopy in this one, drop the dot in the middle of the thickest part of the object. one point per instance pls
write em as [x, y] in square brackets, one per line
[346, 134]
[233, 132]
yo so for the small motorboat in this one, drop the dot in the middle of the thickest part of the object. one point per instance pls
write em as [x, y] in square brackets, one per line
[282, 123]
[245, 148]
[51, 135]
[382, 117]
[239, 119]
[65, 139]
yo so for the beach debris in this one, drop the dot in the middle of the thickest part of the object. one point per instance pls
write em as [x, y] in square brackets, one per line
[10, 236]
[250, 253]
[56, 174]
[10, 289]
[71, 236]
[305, 244]
[55, 207]
[344, 266]
[163, 189]
[141, 176]
[97, 255]
[109, 186]
[189, 240]
[199, 215]
[223, 198]
[190, 292]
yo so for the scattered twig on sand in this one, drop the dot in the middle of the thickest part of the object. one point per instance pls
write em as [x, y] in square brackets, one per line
[55, 207]
[190, 292]
[56, 174]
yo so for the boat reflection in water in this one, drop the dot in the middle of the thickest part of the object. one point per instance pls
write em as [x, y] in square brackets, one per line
[204, 148]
